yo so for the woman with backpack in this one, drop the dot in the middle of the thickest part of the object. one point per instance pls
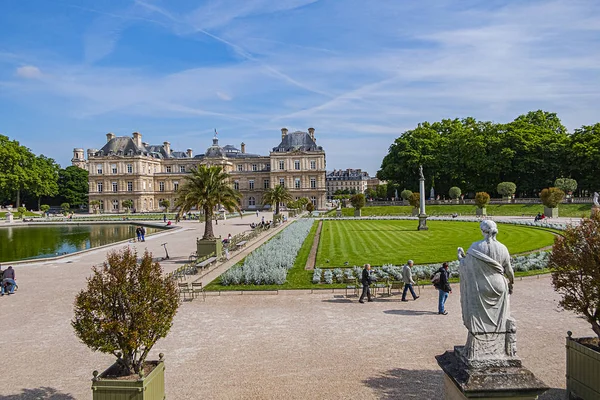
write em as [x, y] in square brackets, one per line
[440, 281]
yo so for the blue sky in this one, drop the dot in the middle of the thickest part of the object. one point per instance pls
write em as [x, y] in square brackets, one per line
[359, 71]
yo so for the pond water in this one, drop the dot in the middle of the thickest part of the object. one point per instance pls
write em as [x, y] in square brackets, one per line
[29, 242]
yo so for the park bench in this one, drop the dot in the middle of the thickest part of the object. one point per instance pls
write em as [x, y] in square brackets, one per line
[241, 244]
[395, 285]
[206, 263]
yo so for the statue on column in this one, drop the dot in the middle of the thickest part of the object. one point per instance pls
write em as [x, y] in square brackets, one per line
[486, 282]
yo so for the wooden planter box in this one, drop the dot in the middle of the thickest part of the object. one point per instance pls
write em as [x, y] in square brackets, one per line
[151, 387]
[583, 371]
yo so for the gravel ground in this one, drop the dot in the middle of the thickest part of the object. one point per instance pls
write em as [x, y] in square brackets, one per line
[293, 345]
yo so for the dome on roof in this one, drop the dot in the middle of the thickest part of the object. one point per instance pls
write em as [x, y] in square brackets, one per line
[215, 150]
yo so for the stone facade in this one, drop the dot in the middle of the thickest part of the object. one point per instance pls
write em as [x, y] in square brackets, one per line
[126, 168]
[351, 179]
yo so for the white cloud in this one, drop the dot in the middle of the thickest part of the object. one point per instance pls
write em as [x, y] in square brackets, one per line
[29, 72]
[224, 96]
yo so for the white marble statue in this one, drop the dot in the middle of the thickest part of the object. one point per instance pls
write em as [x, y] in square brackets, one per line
[486, 281]
[596, 203]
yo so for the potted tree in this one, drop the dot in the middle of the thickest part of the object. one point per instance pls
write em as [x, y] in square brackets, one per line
[205, 188]
[551, 198]
[358, 202]
[405, 194]
[44, 208]
[454, 193]
[165, 204]
[576, 276]
[506, 190]
[567, 185]
[414, 200]
[482, 199]
[310, 207]
[127, 205]
[126, 307]
[95, 206]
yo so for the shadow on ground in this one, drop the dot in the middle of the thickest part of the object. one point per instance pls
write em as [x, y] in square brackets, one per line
[41, 393]
[407, 384]
[410, 312]
[554, 394]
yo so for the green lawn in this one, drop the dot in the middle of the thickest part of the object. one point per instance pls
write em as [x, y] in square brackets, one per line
[15, 213]
[564, 210]
[395, 241]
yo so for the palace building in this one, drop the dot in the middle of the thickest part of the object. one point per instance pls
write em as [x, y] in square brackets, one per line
[126, 168]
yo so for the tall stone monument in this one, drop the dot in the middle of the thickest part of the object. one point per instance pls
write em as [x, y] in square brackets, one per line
[487, 366]
[422, 216]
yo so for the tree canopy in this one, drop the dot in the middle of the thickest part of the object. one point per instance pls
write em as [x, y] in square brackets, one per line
[532, 151]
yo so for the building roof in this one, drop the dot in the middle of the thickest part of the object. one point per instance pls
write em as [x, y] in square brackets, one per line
[347, 174]
[121, 146]
[297, 141]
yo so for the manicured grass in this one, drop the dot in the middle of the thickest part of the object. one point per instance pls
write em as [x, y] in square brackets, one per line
[15, 213]
[297, 277]
[564, 210]
[395, 241]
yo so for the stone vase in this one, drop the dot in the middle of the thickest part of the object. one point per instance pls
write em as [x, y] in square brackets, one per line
[551, 212]
[583, 365]
[481, 211]
[150, 387]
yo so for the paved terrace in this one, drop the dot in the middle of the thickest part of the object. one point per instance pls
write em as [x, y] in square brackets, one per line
[259, 346]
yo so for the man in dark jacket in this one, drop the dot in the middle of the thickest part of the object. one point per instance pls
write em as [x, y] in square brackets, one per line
[366, 281]
[8, 281]
[443, 288]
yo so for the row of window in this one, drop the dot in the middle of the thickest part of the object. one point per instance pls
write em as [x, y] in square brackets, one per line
[115, 186]
[313, 165]
[266, 183]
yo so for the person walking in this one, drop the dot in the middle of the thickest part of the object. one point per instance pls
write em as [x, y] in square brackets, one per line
[138, 232]
[366, 281]
[256, 213]
[408, 281]
[443, 288]
[143, 232]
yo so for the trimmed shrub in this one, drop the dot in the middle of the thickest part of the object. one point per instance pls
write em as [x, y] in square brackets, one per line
[405, 194]
[358, 201]
[567, 185]
[414, 199]
[454, 192]
[552, 197]
[482, 199]
[506, 189]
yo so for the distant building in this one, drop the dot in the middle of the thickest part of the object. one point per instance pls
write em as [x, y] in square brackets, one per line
[373, 182]
[353, 180]
[126, 168]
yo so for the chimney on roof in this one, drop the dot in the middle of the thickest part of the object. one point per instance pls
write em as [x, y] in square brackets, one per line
[109, 136]
[137, 138]
[311, 132]
[189, 153]
[145, 144]
[167, 147]
[284, 132]
[243, 146]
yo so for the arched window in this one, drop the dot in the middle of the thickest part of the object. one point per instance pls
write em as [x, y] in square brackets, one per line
[251, 201]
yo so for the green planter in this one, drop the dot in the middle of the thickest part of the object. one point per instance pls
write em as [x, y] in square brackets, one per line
[480, 211]
[583, 371]
[357, 213]
[205, 247]
[151, 387]
[551, 212]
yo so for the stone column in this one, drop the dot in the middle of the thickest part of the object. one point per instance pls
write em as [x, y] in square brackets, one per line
[422, 215]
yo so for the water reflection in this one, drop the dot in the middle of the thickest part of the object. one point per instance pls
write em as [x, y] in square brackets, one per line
[25, 242]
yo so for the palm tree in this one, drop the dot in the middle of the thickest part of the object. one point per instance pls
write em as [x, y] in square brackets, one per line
[205, 188]
[279, 194]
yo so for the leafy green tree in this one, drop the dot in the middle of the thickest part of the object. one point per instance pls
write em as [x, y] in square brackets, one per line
[205, 188]
[126, 308]
[583, 157]
[16, 164]
[95, 205]
[165, 203]
[303, 202]
[482, 199]
[551, 197]
[358, 201]
[127, 204]
[44, 208]
[370, 193]
[21, 210]
[405, 194]
[454, 192]
[275, 196]
[310, 207]
[381, 191]
[73, 185]
[44, 178]
[567, 185]
[506, 189]
[575, 269]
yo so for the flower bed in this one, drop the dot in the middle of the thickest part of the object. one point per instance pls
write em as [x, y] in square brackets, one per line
[269, 264]
[529, 262]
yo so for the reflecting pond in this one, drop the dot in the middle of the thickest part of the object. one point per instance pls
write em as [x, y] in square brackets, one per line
[28, 242]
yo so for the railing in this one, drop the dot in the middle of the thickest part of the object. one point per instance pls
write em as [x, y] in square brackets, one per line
[524, 200]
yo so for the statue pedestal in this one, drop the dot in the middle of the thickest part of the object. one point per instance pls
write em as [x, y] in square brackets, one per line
[422, 222]
[498, 383]
[338, 213]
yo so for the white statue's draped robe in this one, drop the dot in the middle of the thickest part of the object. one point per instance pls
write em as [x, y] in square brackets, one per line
[484, 288]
